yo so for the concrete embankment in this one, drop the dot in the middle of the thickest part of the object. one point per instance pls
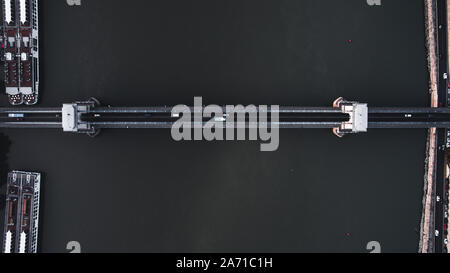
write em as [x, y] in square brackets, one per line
[427, 221]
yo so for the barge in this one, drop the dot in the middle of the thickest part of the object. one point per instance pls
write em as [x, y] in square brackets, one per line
[21, 212]
[20, 46]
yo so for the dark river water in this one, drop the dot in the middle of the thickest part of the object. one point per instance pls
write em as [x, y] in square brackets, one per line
[140, 191]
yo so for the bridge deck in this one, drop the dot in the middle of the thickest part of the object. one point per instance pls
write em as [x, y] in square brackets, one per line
[288, 117]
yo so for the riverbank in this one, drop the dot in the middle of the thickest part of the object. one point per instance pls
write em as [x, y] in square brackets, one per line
[448, 189]
[427, 222]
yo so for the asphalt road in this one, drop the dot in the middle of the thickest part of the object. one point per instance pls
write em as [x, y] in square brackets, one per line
[440, 206]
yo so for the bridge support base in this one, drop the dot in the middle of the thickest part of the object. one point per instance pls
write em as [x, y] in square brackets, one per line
[358, 113]
[71, 117]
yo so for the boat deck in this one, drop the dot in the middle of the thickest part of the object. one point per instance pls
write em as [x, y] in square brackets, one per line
[21, 54]
[22, 212]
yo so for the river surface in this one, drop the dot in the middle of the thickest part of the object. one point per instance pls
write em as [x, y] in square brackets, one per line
[140, 191]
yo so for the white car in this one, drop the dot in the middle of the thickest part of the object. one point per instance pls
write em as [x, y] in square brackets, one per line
[436, 232]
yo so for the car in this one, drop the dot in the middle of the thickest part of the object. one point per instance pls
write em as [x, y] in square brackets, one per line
[436, 233]
[14, 115]
[446, 241]
[438, 199]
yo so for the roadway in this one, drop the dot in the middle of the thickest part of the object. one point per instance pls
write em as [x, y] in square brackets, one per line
[441, 166]
[289, 117]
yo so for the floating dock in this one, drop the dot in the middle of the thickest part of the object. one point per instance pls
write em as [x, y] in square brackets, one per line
[22, 212]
